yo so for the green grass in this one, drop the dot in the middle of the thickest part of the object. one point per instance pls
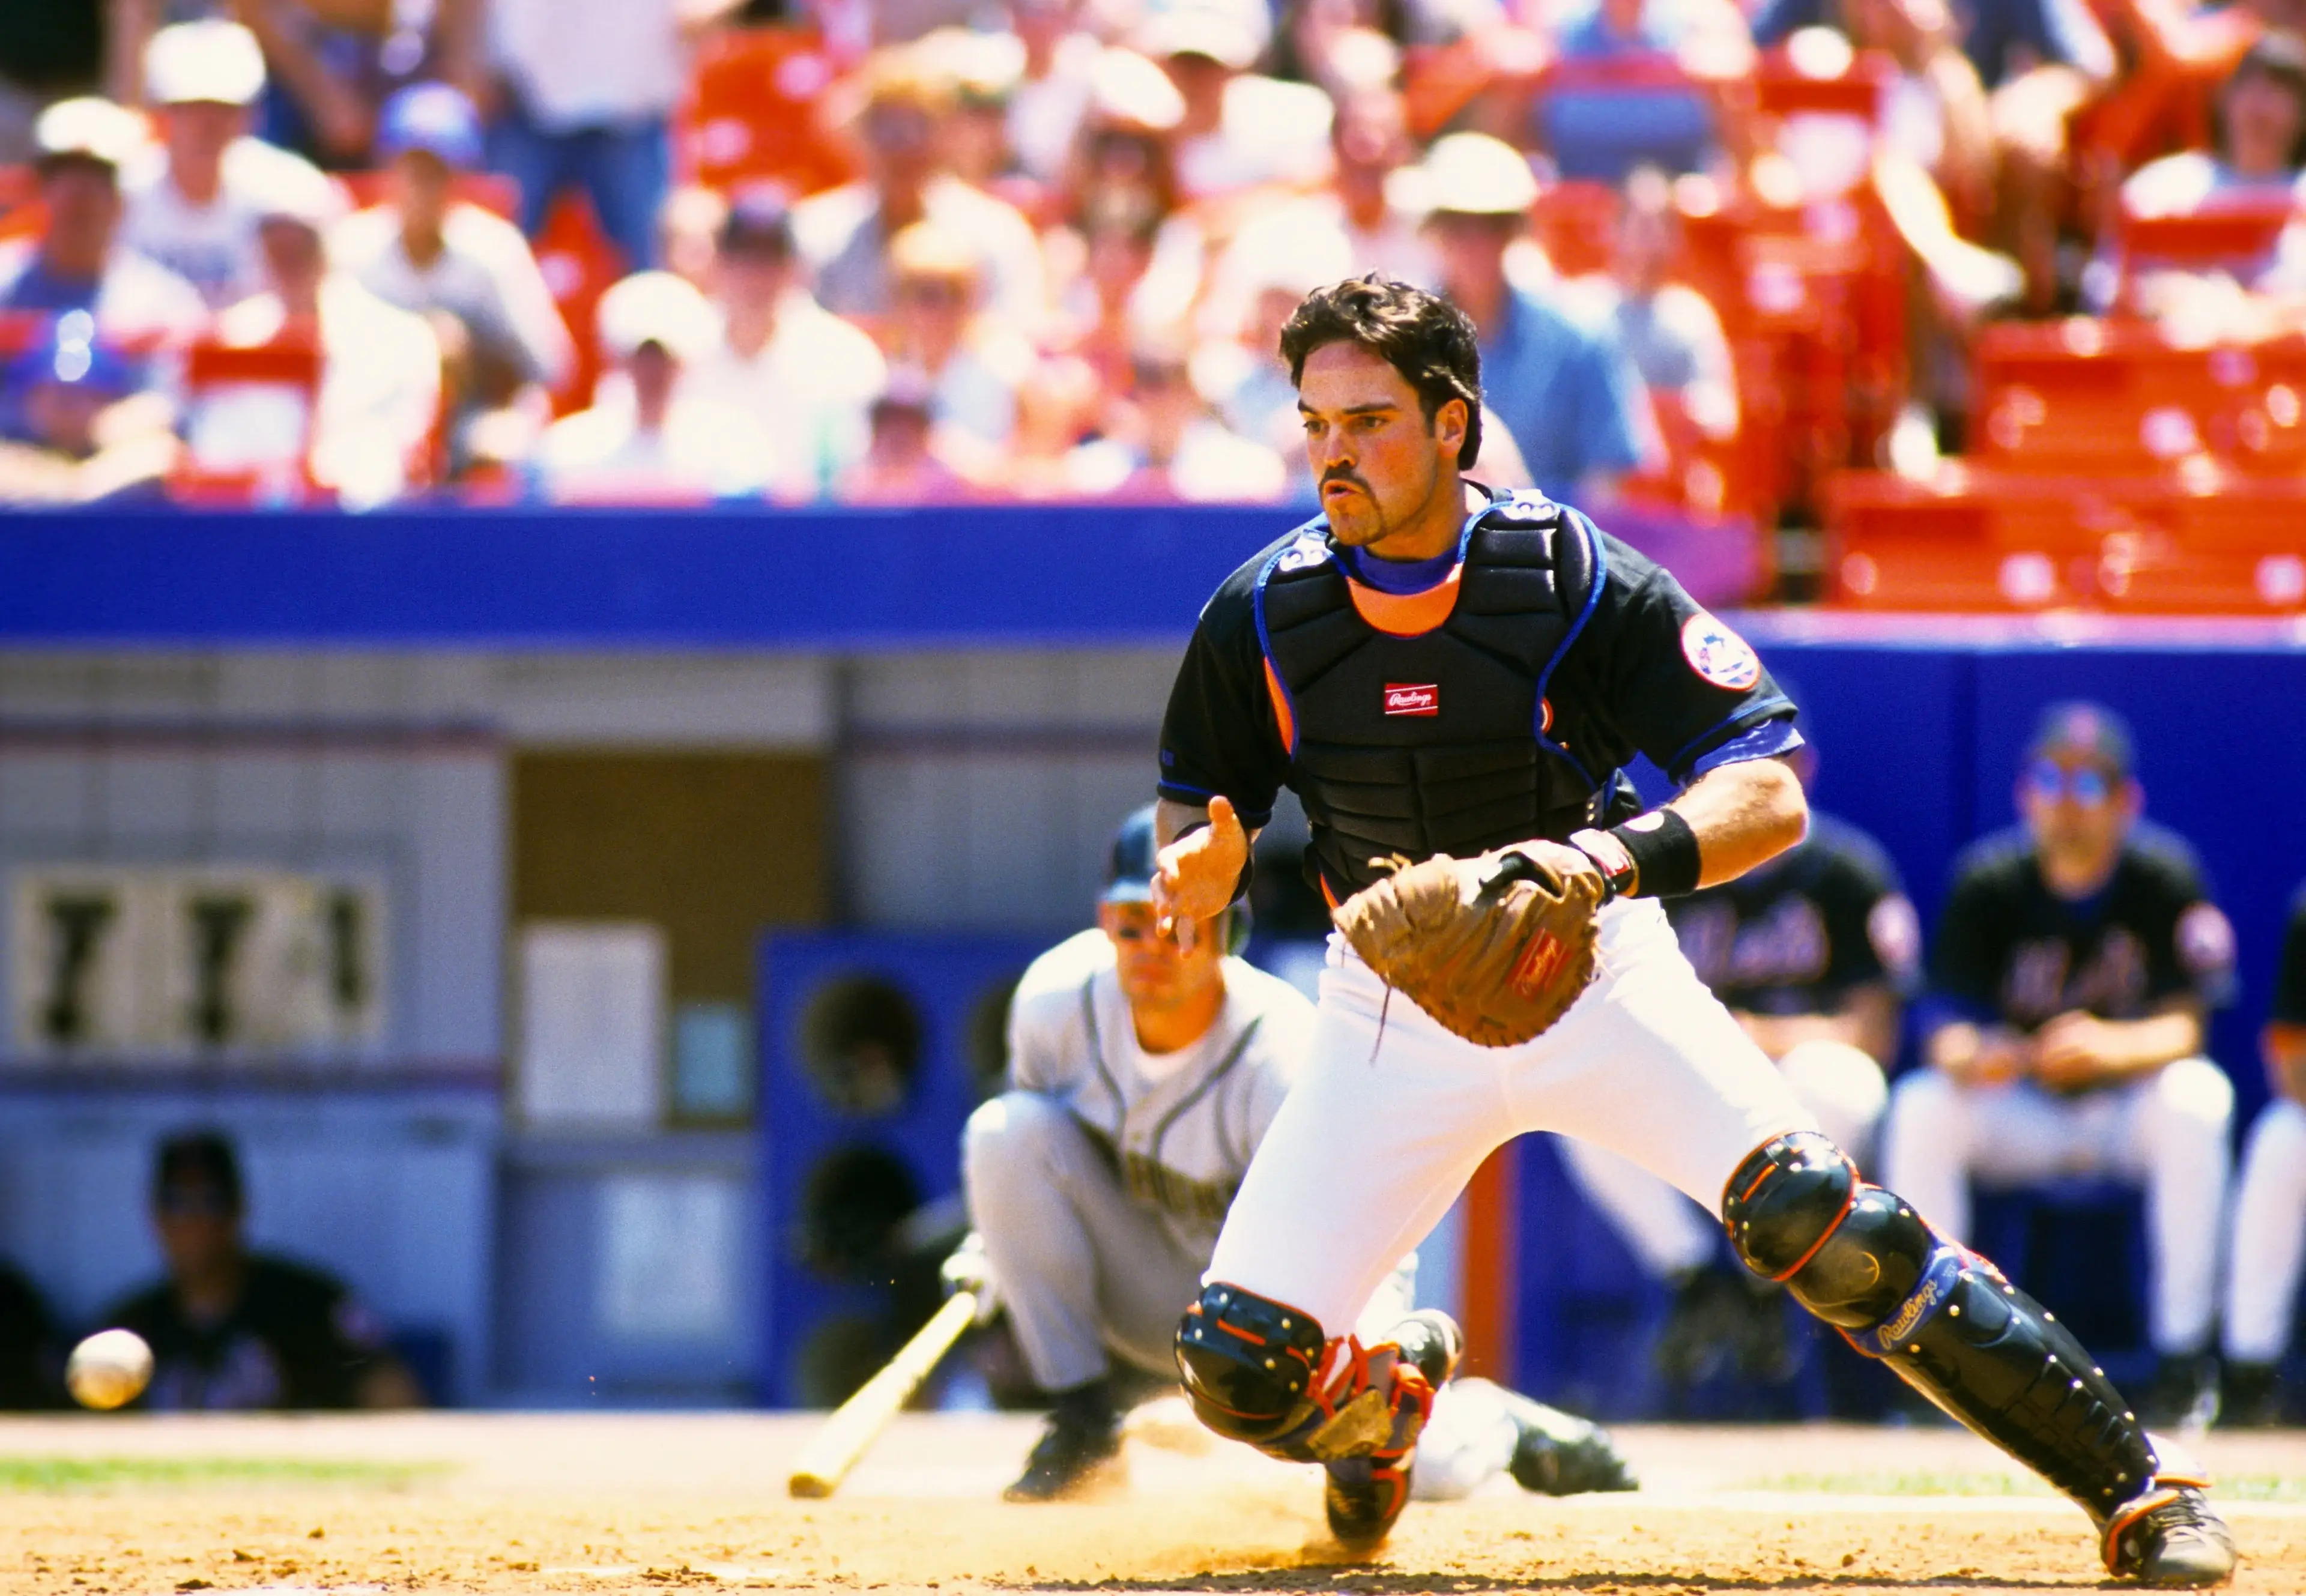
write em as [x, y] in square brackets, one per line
[98, 1473]
[2232, 1488]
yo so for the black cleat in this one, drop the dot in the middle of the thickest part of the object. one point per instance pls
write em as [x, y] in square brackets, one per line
[2169, 1539]
[1560, 1454]
[1363, 1495]
[1077, 1448]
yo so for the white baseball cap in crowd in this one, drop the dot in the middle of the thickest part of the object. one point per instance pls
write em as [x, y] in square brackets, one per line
[1469, 175]
[89, 128]
[655, 307]
[304, 196]
[211, 60]
[1222, 32]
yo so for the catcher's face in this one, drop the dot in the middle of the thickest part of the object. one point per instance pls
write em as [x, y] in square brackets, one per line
[1155, 972]
[1380, 464]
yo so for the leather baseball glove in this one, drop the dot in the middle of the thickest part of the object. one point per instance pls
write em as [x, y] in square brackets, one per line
[1495, 947]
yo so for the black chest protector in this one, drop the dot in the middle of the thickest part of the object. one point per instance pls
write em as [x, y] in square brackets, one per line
[1436, 742]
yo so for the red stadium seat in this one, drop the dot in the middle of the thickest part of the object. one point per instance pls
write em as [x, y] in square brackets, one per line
[2236, 235]
[1575, 223]
[579, 265]
[752, 113]
[1983, 540]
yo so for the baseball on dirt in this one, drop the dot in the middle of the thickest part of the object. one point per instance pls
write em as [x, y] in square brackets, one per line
[111, 1368]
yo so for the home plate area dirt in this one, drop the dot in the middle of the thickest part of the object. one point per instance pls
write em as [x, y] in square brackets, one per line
[633, 1503]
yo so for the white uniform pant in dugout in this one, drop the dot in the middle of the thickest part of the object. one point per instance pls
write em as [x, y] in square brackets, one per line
[2168, 1131]
[1668, 1234]
[2270, 1235]
[1393, 1114]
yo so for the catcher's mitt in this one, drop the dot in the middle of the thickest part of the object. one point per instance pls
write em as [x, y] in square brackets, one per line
[1495, 947]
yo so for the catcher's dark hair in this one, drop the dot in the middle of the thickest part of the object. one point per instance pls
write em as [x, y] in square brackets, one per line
[1430, 341]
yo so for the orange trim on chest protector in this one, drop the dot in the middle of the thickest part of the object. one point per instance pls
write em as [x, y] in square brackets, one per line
[1406, 614]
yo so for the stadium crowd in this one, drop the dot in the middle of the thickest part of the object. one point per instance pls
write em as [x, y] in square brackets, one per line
[262, 251]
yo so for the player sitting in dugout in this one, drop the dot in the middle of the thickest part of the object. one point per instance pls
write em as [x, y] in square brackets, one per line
[1142, 1076]
[1452, 681]
[2076, 963]
[1814, 952]
[2268, 1244]
[236, 1330]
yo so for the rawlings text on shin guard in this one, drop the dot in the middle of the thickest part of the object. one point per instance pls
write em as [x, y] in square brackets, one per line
[1259, 1371]
[1939, 1315]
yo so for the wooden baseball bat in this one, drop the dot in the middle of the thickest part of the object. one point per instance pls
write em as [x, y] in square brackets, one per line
[855, 1424]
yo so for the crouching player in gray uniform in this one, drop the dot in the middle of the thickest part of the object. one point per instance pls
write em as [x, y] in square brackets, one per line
[1141, 1077]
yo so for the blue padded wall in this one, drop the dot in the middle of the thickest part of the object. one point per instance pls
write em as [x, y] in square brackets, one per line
[955, 986]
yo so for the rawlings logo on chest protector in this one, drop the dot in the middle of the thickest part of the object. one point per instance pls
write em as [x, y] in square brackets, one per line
[1421, 698]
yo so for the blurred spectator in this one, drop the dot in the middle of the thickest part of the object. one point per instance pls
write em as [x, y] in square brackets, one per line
[808, 376]
[1371, 141]
[465, 269]
[1240, 129]
[900, 465]
[335, 62]
[844, 234]
[984, 70]
[1103, 311]
[586, 93]
[1058, 406]
[645, 442]
[1668, 330]
[48, 51]
[2260, 139]
[1052, 92]
[1165, 445]
[1245, 378]
[194, 202]
[31, 1372]
[77, 424]
[1558, 376]
[76, 262]
[689, 233]
[380, 364]
[1123, 176]
[1603, 132]
[2040, 62]
[973, 364]
[234, 1331]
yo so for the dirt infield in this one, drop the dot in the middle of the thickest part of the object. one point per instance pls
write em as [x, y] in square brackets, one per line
[608, 1503]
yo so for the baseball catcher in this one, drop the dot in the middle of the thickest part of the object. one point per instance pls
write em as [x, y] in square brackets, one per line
[1452, 681]
[1143, 1074]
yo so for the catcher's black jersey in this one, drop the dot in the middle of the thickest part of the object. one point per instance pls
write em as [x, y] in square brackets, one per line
[2290, 980]
[1643, 669]
[2010, 951]
[1797, 934]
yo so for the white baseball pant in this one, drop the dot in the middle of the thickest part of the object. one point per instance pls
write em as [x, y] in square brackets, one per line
[2168, 1131]
[2270, 1235]
[1670, 1235]
[1393, 1114]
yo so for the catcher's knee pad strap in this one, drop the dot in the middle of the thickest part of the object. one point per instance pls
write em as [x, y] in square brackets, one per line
[1798, 1212]
[1248, 1362]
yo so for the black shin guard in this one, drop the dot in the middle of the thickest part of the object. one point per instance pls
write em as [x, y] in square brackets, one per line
[1942, 1317]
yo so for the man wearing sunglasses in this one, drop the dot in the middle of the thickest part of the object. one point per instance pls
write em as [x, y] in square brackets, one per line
[2075, 968]
[1142, 1074]
[235, 1330]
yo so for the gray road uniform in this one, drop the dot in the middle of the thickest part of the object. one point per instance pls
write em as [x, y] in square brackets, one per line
[1100, 1178]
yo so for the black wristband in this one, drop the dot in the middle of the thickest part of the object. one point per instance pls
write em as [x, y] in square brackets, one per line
[1248, 863]
[1664, 852]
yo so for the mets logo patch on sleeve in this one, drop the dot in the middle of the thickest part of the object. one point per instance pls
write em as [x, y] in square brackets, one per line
[1718, 654]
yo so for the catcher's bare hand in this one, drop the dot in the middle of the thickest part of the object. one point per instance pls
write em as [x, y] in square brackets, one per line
[1197, 873]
